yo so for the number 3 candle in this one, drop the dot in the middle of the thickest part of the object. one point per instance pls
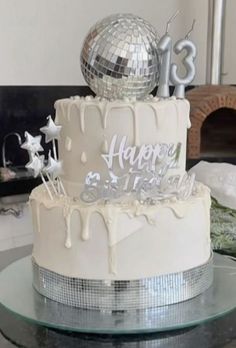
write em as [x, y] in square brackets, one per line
[188, 62]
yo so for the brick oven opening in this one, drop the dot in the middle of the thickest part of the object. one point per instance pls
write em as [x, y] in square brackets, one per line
[218, 134]
[213, 120]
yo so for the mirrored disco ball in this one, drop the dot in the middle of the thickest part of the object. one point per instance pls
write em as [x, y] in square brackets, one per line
[119, 57]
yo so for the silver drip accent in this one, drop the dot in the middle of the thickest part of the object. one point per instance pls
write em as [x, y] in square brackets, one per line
[4, 161]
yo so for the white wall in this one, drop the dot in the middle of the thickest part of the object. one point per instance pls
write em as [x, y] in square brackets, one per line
[229, 63]
[40, 40]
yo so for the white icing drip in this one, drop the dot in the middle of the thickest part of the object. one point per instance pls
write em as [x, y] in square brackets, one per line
[141, 210]
[104, 112]
[155, 113]
[110, 220]
[83, 158]
[67, 211]
[63, 111]
[85, 220]
[105, 107]
[112, 260]
[68, 144]
[68, 114]
[105, 147]
[81, 108]
[38, 216]
[180, 209]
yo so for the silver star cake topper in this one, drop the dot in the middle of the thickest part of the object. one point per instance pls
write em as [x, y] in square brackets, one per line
[36, 164]
[53, 170]
[32, 144]
[54, 167]
[51, 130]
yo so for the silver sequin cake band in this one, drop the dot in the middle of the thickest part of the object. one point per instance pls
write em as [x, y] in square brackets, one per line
[117, 295]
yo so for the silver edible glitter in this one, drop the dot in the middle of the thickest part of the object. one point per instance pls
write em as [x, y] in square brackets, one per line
[125, 295]
[119, 57]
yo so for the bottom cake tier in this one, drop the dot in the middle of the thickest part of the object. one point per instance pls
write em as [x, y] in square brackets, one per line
[121, 256]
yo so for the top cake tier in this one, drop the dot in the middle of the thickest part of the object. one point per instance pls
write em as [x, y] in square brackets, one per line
[89, 124]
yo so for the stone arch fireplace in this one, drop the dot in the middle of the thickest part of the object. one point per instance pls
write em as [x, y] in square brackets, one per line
[204, 101]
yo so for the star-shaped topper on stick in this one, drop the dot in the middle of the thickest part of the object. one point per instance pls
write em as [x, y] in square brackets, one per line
[54, 167]
[54, 170]
[51, 130]
[36, 164]
[32, 144]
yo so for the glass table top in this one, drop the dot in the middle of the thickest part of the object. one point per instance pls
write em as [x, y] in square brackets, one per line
[18, 296]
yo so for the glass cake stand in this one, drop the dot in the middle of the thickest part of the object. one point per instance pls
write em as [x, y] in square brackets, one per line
[18, 296]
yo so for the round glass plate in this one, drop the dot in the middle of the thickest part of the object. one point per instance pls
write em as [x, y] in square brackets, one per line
[18, 296]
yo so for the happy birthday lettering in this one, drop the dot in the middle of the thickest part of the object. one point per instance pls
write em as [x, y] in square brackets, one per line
[144, 174]
[146, 156]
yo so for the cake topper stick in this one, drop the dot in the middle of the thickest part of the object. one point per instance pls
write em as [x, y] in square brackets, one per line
[36, 164]
[62, 187]
[51, 183]
[188, 62]
[48, 177]
[46, 185]
[54, 169]
[164, 47]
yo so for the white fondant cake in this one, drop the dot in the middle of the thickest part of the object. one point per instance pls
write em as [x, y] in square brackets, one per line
[122, 240]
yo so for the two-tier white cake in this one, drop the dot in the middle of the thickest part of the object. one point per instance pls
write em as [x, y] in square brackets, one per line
[127, 252]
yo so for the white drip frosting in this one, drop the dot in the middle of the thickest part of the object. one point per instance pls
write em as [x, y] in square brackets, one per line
[105, 108]
[83, 157]
[90, 123]
[68, 144]
[110, 213]
[105, 147]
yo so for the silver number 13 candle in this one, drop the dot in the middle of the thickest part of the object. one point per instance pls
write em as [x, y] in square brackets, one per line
[188, 62]
[169, 71]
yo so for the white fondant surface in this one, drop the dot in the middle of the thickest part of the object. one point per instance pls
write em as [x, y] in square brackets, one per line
[123, 241]
[88, 125]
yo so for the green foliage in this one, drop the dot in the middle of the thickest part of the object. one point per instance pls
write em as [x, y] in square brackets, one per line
[223, 228]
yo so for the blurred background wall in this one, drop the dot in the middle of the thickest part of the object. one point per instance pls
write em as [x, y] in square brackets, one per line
[40, 41]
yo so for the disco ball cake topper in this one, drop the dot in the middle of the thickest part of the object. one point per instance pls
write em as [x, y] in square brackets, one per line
[119, 57]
